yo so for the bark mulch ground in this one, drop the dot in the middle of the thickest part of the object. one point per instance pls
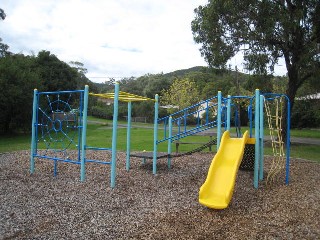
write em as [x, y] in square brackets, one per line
[144, 206]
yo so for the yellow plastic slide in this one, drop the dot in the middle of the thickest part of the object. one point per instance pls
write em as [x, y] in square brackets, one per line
[217, 190]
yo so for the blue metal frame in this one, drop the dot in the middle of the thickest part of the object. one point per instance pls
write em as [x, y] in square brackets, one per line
[270, 96]
[170, 142]
[34, 131]
[82, 129]
[84, 133]
[114, 135]
[155, 134]
[36, 124]
[128, 136]
[261, 137]
[223, 118]
[182, 115]
[257, 137]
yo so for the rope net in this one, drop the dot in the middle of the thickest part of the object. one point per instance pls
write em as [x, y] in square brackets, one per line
[58, 124]
[274, 115]
[149, 155]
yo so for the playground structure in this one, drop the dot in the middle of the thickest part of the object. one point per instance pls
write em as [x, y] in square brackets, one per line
[217, 190]
[221, 107]
[53, 124]
[59, 123]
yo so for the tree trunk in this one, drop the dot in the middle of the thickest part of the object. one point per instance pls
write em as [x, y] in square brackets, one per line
[291, 93]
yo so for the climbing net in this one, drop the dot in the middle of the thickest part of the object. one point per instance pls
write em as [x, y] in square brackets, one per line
[59, 117]
[274, 115]
[149, 155]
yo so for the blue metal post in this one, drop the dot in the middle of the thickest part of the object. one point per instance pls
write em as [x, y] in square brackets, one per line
[228, 112]
[207, 113]
[114, 135]
[257, 145]
[155, 134]
[128, 137]
[185, 120]
[33, 137]
[288, 143]
[84, 134]
[261, 163]
[80, 124]
[55, 167]
[219, 120]
[169, 142]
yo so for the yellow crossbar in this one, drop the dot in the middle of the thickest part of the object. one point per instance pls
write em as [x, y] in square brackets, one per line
[123, 96]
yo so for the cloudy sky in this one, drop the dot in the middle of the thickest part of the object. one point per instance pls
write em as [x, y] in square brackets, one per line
[113, 38]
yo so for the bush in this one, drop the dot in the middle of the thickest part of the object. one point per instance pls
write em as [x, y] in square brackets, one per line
[306, 114]
[102, 112]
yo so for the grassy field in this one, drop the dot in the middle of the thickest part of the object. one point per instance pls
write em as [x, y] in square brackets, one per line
[99, 134]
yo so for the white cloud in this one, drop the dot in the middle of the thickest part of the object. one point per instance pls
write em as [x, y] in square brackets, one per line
[113, 38]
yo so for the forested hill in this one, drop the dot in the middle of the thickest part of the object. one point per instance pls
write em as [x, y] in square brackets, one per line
[183, 72]
[208, 82]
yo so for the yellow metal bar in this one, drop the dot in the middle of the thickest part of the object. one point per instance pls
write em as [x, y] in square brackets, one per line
[123, 96]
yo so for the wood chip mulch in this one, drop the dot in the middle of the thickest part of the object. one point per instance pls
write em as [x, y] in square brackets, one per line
[144, 206]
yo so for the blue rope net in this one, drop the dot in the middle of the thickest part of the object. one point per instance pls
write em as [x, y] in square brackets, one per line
[59, 117]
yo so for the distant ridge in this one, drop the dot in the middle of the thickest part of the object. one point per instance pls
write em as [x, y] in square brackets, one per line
[182, 72]
[202, 69]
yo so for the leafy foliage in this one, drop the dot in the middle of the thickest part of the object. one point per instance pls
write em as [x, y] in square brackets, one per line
[17, 80]
[306, 114]
[55, 74]
[4, 49]
[20, 74]
[182, 93]
[264, 31]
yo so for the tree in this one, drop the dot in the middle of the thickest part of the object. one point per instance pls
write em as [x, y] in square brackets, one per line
[4, 49]
[79, 66]
[2, 14]
[264, 31]
[262, 82]
[18, 78]
[55, 74]
[20, 74]
[155, 84]
[182, 93]
[82, 80]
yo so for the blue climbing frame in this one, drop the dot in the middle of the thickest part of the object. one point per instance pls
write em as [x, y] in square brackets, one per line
[271, 97]
[53, 133]
[257, 102]
[223, 118]
[179, 118]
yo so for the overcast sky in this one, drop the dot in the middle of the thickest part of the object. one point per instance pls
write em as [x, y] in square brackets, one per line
[113, 38]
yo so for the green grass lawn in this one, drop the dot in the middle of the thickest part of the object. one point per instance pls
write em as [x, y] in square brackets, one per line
[99, 134]
[15, 143]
